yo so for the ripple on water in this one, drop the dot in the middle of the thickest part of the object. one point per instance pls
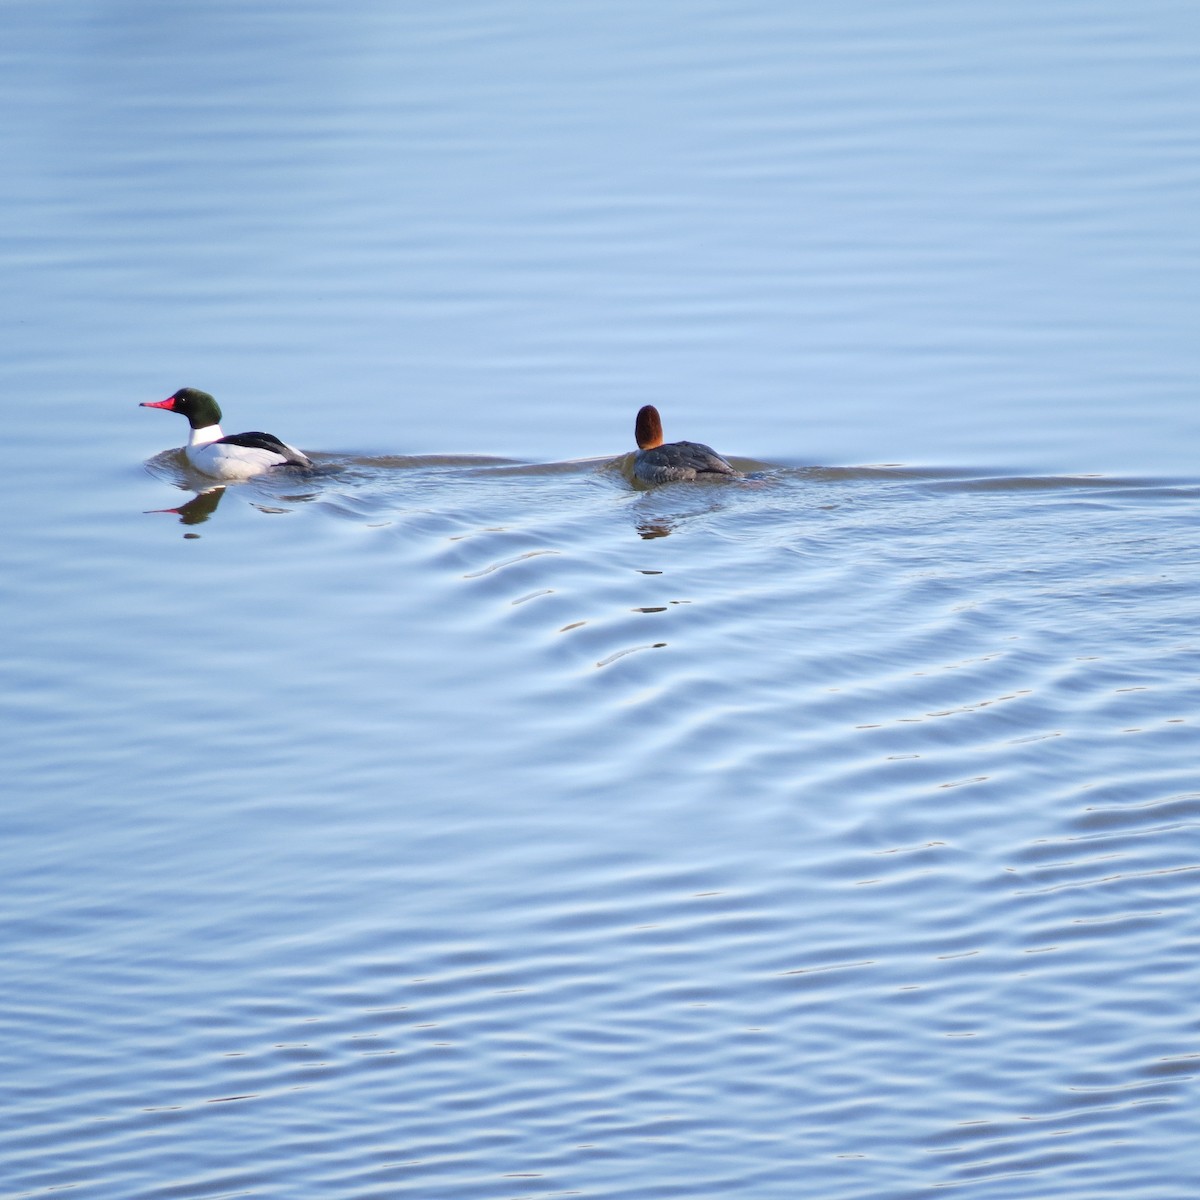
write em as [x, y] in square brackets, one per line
[839, 827]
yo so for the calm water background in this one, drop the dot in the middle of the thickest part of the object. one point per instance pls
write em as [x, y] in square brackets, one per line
[459, 821]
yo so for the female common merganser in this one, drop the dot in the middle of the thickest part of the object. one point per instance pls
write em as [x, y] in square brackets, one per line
[656, 463]
[238, 456]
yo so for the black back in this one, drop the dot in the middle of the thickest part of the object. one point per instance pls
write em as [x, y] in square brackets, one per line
[254, 440]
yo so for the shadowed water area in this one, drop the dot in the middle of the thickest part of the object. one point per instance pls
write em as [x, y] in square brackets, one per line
[459, 818]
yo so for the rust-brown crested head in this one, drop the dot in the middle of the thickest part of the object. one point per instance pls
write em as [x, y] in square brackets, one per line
[648, 429]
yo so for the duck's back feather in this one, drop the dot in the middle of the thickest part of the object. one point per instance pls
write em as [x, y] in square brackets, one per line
[680, 461]
[254, 440]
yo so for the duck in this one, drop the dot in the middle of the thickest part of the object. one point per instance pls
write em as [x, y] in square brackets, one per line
[674, 461]
[221, 456]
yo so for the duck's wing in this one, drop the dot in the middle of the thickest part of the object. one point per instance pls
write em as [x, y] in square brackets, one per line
[255, 440]
[702, 459]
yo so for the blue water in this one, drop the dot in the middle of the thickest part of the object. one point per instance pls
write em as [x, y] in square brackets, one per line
[458, 819]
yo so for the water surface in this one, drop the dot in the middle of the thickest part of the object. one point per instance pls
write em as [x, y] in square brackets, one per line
[458, 819]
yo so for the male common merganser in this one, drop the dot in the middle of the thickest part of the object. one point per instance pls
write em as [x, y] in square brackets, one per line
[238, 456]
[656, 463]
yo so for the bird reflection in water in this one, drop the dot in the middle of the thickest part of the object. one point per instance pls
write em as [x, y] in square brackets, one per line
[654, 529]
[201, 506]
[198, 509]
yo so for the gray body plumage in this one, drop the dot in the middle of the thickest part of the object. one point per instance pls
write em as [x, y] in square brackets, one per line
[680, 462]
